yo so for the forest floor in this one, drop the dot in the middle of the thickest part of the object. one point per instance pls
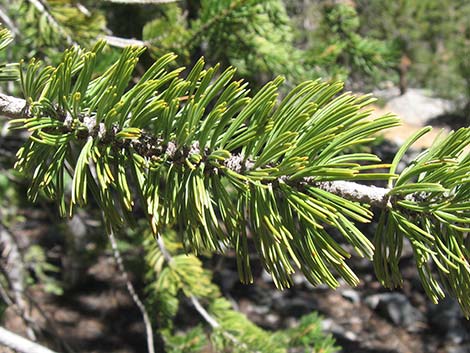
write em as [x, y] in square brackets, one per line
[98, 315]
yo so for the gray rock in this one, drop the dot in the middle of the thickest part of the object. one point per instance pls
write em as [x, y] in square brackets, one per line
[396, 308]
[351, 295]
[417, 106]
[447, 318]
[328, 325]
[295, 306]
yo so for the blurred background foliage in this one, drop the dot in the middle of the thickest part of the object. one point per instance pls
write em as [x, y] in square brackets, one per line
[365, 43]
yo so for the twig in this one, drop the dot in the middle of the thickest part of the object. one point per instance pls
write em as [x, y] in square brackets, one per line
[132, 292]
[20, 344]
[197, 304]
[8, 22]
[39, 5]
[124, 42]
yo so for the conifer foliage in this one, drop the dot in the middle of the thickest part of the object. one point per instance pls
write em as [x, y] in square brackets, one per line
[226, 169]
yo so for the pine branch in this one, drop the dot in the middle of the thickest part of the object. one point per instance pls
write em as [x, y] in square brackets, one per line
[150, 146]
[203, 155]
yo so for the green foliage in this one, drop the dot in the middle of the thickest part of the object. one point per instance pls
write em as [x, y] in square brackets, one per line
[173, 276]
[36, 259]
[169, 33]
[429, 32]
[434, 214]
[253, 35]
[336, 48]
[7, 71]
[172, 145]
[308, 336]
[184, 274]
[247, 168]
[192, 341]
[56, 23]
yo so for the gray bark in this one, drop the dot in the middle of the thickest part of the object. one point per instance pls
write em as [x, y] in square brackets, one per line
[20, 344]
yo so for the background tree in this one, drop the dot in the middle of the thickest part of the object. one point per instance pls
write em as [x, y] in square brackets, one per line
[432, 35]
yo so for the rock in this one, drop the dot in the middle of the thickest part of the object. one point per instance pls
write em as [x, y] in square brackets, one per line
[351, 295]
[328, 325]
[396, 308]
[298, 278]
[227, 279]
[417, 106]
[447, 318]
[295, 306]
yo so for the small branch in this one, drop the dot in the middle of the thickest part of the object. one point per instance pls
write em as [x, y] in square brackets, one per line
[132, 292]
[119, 42]
[221, 15]
[369, 194]
[39, 5]
[20, 344]
[8, 22]
[149, 146]
[12, 107]
[197, 304]
[203, 312]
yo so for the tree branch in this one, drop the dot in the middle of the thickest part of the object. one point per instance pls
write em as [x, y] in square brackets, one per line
[20, 344]
[12, 107]
[132, 292]
[8, 22]
[120, 42]
[150, 146]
